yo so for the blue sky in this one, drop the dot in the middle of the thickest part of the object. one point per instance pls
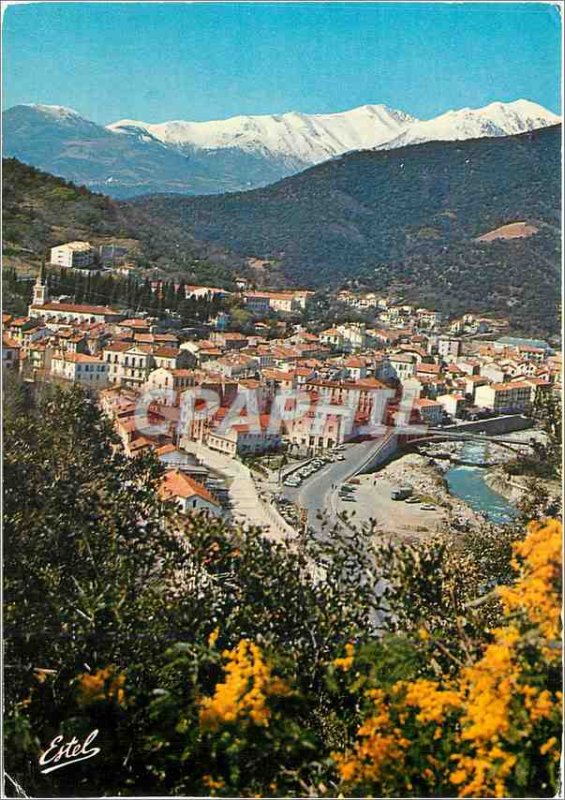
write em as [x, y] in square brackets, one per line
[209, 61]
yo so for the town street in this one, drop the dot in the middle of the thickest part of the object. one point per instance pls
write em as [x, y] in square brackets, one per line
[319, 494]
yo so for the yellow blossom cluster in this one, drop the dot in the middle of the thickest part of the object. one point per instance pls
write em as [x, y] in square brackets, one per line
[380, 743]
[213, 783]
[244, 694]
[432, 700]
[346, 662]
[490, 710]
[103, 685]
[537, 592]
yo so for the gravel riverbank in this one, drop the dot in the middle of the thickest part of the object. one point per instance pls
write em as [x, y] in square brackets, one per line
[437, 510]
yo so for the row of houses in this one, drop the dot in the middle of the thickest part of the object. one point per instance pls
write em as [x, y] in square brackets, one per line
[447, 376]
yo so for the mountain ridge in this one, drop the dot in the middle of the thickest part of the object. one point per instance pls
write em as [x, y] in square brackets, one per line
[130, 157]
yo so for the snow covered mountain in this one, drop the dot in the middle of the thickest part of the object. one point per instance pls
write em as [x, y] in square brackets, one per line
[310, 139]
[293, 137]
[131, 157]
[496, 119]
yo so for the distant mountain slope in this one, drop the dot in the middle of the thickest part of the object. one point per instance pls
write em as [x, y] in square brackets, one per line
[371, 206]
[130, 157]
[383, 210]
[496, 119]
[60, 141]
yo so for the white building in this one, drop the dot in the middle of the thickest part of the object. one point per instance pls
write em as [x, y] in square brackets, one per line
[242, 439]
[430, 410]
[448, 347]
[175, 379]
[191, 496]
[503, 397]
[403, 365]
[452, 403]
[72, 254]
[80, 368]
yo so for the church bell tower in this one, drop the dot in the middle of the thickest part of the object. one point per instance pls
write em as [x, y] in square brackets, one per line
[40, 291]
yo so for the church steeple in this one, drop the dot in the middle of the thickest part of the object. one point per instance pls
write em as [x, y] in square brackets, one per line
[40, 291]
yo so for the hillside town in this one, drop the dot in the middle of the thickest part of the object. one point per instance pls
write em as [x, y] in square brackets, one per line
[282, 400]
[291, 400]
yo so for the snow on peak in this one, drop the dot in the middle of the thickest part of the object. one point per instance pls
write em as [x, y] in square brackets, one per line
[295, 136]
[495, 119]
[300, 139]
[58, 112]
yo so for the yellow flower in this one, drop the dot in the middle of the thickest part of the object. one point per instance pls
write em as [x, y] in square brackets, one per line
[488, 707]
[346, 662]
[459, 776]
[549, 745]
[213, 783]
[102, 685]
[245, 692]
[432, 700]
[536, 593]
[213, 638]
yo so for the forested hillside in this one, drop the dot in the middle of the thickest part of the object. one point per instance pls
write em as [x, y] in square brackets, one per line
[410, 214]
[408, 218]
[40, 211]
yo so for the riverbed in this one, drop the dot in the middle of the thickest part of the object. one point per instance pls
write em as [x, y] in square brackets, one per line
[469, 484]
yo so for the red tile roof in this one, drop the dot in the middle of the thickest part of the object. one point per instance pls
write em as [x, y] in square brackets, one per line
[8, 342]
[177, 484]
[77, 309]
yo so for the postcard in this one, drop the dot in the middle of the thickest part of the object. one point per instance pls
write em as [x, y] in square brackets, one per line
[282, 391]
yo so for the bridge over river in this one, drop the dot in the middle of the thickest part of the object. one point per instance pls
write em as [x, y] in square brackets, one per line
[495, 429]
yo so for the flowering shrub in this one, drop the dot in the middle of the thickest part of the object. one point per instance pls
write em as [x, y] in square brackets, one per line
[104, 685]
[244, 695]
[493, 728]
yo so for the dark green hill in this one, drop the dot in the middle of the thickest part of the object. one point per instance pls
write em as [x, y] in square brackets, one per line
[410, 215]
[40, 211]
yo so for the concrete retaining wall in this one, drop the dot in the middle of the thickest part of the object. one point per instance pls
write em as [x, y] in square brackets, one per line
[280, 525]
[387, 448]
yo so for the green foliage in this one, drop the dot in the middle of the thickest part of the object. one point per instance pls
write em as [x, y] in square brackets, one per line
[116, 578]
[443, 586]
[545, 459]
[122, 616]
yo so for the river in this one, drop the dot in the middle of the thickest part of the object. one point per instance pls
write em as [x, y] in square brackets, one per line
[468, 483]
